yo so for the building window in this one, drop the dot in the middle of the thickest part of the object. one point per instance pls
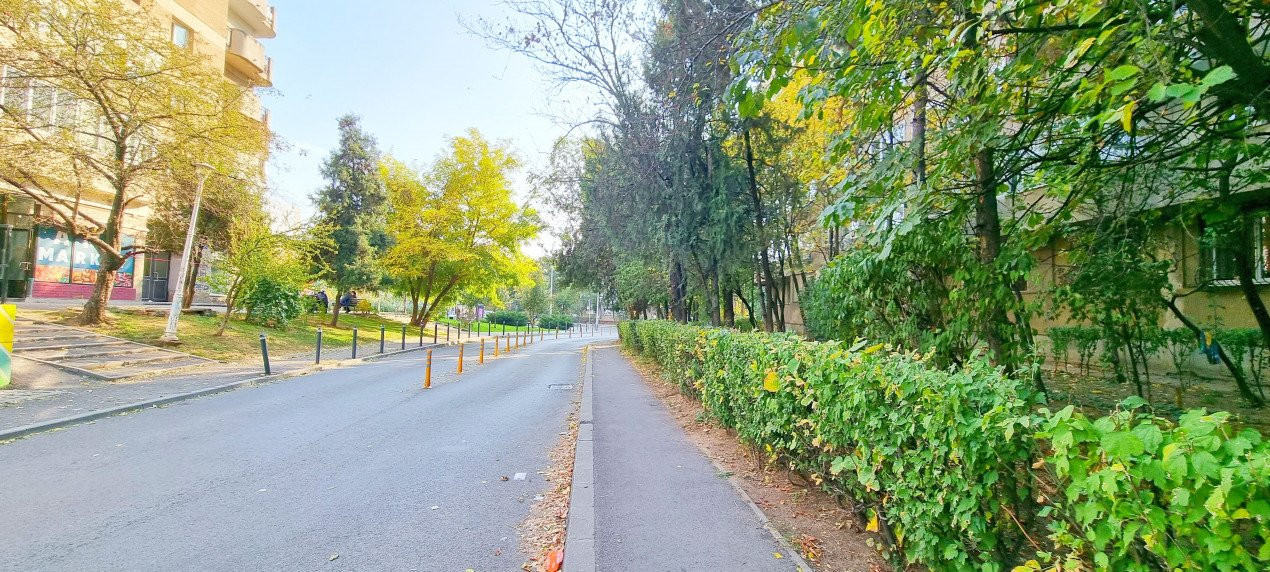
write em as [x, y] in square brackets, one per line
[180, 35]
[1219, 254]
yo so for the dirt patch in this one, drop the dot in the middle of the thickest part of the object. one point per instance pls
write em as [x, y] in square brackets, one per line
[829, 536]
[542, 532]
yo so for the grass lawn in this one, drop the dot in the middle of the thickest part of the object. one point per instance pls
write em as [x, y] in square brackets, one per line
[241, 340]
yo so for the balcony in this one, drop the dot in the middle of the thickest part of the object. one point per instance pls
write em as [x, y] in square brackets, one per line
[257, 15]
[247, 55]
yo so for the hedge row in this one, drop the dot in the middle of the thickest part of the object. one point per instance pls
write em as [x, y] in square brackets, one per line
[555, 321]
[958, 470]
[507, 317]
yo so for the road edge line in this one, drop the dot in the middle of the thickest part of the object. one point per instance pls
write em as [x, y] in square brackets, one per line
[579, 543]
[28, 430]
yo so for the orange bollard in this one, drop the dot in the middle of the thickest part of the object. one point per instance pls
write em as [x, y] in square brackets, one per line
[461, 357]
[495, 346]
[482, 351]
[427, 373]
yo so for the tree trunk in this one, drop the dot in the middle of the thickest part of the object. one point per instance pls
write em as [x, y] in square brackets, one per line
[335, 313]
[678, 309]
[1244, 259]
[95, 309]
[191, 278]
[988, 233]
[765, 262]
[1235, 370]
[729, 308]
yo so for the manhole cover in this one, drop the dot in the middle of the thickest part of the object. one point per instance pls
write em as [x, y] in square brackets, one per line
[560, 386]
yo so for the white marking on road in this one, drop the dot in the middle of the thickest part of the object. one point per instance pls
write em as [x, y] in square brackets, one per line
[519, 476]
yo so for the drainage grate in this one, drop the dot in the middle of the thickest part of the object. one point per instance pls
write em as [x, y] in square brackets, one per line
[560, 386]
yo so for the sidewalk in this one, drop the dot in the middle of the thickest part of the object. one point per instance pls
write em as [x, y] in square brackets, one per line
[43, 393]
[659, 503]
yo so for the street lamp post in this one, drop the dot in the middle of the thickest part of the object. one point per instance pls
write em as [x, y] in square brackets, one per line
[174, 312]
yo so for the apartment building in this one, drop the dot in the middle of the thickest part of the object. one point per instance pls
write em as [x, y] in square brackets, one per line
[39, 261]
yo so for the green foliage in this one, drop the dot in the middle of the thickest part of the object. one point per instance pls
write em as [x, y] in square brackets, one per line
[940, 457]
[899, 297]
[507, 317]
[1140, 493]
[352, 207]
[639, 286]
[555, 321]
[457, 232]
[272, 301]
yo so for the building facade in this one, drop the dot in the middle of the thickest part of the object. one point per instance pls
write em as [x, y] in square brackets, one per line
[38, 261]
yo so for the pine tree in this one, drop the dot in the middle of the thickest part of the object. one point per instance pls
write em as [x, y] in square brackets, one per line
[352, 207]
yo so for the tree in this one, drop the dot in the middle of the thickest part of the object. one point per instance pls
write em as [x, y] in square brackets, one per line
[254, 255]
[227, 203]
[352, 206]
[457, 229]
[101, 107]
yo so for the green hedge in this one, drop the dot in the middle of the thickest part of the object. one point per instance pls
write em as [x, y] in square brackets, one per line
[555, 322]
[507, 317]
[943, 460]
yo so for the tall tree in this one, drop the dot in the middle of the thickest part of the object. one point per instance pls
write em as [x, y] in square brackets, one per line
[101, 107]
[457, 230]
[352, 205]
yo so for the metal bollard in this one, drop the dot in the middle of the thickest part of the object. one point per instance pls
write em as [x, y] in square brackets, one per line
[318, 357]
[557, 333]
[482, 360]
[420, 336]
[461, 344]
[403, 337]
[435, 329]
[264, 352]
[427, 373]
[447, 332]
[381, 338]
[354, 342]
[504, 329]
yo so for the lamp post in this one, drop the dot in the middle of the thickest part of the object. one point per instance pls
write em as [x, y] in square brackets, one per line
[174, 312]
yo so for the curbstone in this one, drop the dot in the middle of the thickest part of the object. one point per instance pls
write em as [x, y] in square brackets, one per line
[579, 543]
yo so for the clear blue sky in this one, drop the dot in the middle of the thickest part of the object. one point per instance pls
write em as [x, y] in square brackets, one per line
[410, 70]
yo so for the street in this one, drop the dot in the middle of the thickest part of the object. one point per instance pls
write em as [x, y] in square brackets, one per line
[354, 468]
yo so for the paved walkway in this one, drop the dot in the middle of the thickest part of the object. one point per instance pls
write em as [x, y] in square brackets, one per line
[659, 503]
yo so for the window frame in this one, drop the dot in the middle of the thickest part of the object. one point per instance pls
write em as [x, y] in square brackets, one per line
[189, 34]
[1261, 275]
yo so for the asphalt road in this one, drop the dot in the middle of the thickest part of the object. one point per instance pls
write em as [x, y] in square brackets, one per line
[350, 469]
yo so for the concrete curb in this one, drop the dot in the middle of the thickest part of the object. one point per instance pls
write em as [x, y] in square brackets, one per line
[579, 543]
[26, 430]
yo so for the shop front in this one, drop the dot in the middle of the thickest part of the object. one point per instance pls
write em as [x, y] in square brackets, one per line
[66, 266]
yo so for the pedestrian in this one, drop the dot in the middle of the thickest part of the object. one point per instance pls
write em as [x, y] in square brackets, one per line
[323, 301]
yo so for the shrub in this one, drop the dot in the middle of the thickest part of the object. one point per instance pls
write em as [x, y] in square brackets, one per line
[555, 321]
[507, 317]
[941, 458]
[1141, 493]
[272, 302]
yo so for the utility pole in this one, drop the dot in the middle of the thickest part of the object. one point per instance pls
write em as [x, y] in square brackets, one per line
[551, 291]
[174, 312]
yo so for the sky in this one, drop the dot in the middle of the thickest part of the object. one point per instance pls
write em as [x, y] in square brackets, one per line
[413, 73]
